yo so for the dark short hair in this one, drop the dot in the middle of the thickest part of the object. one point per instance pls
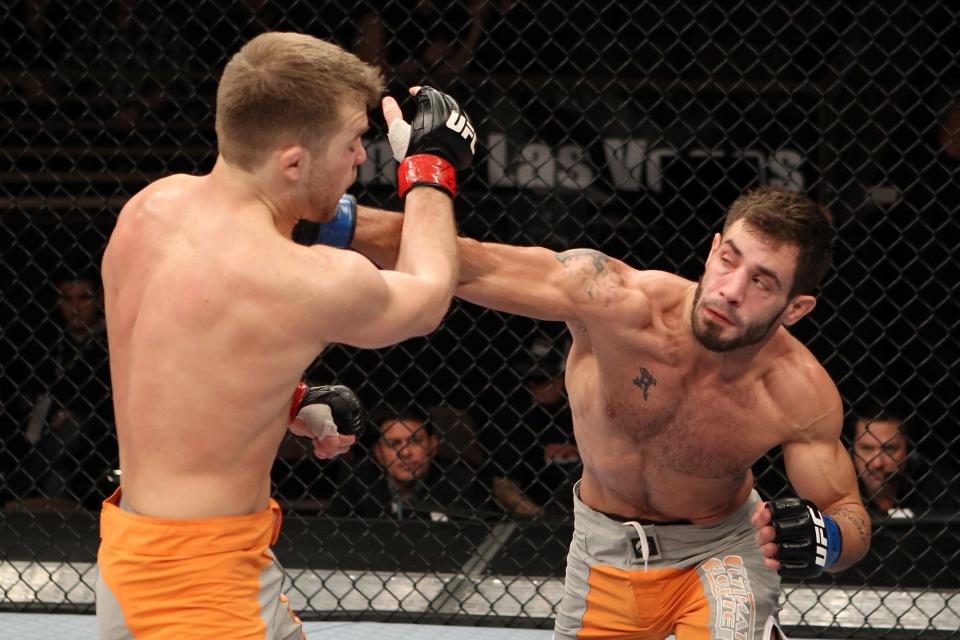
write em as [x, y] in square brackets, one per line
[64, 275]
[869, 411]
[791, 218]
[382, 416]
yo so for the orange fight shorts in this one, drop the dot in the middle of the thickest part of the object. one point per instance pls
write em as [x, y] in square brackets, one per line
[643, 581]
[183, 579]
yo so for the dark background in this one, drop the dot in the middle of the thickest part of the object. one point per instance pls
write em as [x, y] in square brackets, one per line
[99, 99]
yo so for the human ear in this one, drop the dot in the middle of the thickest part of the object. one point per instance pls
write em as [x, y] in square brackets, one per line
[293, 162]
[798, 307]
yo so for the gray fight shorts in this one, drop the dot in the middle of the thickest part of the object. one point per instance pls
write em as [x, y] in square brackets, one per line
[646, 581]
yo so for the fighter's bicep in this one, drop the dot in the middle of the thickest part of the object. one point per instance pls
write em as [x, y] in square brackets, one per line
[820, 471]
[382, 307]
[330, 295]
[817, 464]
[589, 277]
[538, 282]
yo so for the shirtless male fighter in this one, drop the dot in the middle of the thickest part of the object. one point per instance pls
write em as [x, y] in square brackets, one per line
[676, 389]
[213, 313]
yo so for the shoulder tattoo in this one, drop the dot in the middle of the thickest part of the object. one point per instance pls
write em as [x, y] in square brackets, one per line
[598, 260]
[645, 380]
[587, 265]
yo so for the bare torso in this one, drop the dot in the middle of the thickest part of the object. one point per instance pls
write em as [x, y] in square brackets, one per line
[202, 360]
[662, 437]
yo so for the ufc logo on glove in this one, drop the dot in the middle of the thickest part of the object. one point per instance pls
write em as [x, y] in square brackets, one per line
[820, 531]
[459, 123]
[808, 541]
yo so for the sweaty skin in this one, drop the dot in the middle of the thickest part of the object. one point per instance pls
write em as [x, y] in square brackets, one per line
[213, 313]
[666, 428]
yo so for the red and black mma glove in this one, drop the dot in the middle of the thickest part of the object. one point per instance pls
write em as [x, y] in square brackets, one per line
[328, 410]
[807, 541]
[439, 141]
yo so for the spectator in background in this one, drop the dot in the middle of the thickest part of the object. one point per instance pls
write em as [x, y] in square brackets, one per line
[431, 43]
[404, 478]
[532, 441]
[893, 482]
[70, 420]
[459, 443]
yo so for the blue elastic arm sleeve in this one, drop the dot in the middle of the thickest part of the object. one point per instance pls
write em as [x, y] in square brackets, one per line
[339, 231]
[834, 540]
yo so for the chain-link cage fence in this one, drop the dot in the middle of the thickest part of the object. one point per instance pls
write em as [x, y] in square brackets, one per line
[624, 126]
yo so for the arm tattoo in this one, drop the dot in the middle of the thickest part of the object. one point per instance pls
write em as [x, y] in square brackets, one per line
[597, 258]
[856, 519]
[591, 272]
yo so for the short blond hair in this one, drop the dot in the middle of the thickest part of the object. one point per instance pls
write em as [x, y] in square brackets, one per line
[287, 86]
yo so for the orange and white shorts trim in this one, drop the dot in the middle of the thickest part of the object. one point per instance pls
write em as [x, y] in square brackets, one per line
[644, 582]
[182, 579]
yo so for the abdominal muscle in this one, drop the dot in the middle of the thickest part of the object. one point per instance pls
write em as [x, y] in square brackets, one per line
[634, 485]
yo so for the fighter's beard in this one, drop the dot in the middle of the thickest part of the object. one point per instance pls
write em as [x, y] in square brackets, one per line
[712, 340]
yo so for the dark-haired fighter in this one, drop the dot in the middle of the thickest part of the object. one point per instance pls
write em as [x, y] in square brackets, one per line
[676, 389]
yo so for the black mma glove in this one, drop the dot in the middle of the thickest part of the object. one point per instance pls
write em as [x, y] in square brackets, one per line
[807, 541]
[328, 410]
[434, 145]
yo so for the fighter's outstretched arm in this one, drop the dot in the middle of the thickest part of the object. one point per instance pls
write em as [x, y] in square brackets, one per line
[377, 236]
[530, 281]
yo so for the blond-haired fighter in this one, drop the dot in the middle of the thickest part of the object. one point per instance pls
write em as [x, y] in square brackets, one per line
[676, 389]
[213, 313]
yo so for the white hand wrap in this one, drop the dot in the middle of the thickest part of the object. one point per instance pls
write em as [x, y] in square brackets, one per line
[319, 419]
[399, 137]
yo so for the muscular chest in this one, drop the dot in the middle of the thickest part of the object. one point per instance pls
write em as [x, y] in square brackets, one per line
[687, 425]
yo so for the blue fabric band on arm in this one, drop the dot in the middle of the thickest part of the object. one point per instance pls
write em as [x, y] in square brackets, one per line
[834, 540]
[339, 231]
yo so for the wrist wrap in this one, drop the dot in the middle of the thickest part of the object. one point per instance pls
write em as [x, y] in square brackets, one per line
[426, 170]
[298, 395]
[834, 540]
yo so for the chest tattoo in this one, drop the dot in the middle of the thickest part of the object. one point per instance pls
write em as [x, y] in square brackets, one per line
[645, 380]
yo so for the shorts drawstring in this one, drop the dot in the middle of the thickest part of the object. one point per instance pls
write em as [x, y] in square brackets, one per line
[644, 545]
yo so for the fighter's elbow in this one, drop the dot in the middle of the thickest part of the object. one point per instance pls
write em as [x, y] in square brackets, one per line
[432, 312]
[426, 325]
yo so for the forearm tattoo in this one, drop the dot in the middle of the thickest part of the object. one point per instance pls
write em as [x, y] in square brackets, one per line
[587, 264]
[856, 519]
